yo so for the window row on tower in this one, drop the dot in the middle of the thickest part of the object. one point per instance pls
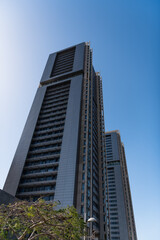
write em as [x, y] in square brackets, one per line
[40, 170]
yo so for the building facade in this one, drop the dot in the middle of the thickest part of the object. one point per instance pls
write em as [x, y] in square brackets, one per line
[61, 153]
[121, 216]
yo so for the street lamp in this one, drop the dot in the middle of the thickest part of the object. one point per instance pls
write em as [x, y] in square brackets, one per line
[90, 220]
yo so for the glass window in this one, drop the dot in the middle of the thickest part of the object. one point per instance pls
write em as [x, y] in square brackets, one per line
[82, 209]
[82, 197]
[83, 166]
[83, 176]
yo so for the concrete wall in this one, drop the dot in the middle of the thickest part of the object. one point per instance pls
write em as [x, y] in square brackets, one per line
[6, 198]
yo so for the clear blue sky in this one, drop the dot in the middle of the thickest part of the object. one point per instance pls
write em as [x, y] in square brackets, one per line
[125, 37]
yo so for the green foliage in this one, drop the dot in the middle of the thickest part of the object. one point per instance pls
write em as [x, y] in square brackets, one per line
[39, 221]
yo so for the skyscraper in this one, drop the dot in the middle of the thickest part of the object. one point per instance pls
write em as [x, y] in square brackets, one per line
[61, 153]
[122, 224]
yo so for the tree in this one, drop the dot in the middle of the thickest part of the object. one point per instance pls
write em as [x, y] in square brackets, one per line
[39, 221]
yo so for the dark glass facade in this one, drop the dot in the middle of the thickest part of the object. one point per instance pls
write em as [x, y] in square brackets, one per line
[61, 155]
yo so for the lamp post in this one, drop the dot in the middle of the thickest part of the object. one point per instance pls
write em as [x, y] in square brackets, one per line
[90, 220]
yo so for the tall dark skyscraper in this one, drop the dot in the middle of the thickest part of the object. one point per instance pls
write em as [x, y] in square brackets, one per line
[122, 224]
[61, 155]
